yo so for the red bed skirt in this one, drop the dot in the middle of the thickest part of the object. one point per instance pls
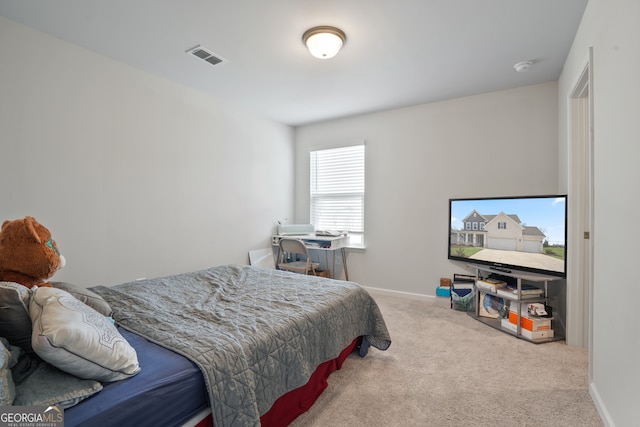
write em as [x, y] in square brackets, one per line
[290, 405]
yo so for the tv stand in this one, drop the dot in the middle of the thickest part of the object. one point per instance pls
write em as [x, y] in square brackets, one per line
[514, 319]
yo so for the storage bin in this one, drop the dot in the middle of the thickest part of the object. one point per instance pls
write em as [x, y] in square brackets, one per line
[462, 299]
[443, 292]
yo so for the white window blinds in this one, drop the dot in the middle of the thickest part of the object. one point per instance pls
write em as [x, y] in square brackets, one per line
[337, 189]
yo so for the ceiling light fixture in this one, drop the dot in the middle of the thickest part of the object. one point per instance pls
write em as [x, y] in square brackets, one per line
[522, 66]
[324, 42]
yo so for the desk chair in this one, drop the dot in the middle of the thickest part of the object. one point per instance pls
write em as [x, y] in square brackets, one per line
[295, 246]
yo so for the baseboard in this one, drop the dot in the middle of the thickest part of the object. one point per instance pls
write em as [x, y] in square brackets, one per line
[600, 407]
[408, 295]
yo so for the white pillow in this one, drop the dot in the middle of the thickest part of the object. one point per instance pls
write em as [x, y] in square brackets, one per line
[92, 299]
[77, 339]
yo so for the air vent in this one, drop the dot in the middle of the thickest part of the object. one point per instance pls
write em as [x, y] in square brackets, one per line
[206, 55]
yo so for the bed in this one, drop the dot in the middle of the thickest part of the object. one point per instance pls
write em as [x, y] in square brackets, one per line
[230, 345]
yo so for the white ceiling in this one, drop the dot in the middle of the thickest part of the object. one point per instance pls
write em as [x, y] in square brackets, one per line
[398, 52]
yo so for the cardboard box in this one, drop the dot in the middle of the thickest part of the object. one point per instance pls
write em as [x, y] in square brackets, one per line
[536, 335]
[532, 335]
[445, 283]
[508, 325]
[531, 324]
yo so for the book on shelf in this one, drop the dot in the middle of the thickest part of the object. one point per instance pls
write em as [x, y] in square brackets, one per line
[530, 289]
[463, 281]
[490, 285]
[485, 286]
[460, 278]
[462, 286]
[526, 291]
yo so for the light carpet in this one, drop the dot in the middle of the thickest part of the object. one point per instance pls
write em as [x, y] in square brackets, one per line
[445, 368]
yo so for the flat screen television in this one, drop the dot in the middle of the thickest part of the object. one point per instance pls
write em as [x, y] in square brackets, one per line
[526, 233]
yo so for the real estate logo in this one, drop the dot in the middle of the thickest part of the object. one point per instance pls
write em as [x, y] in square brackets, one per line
[31, 416]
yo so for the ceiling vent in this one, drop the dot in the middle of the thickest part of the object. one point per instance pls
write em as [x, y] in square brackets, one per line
[206, 55]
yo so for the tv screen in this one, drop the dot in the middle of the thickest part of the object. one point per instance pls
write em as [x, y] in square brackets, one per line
[520, 233]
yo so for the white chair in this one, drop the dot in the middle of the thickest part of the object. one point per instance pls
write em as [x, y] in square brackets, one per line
[295, 247]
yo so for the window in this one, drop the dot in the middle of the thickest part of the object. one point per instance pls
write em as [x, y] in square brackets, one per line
[337, 191]
[502, 226]
[475, 226]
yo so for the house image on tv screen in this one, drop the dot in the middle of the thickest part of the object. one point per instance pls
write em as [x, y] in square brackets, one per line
[501, 232]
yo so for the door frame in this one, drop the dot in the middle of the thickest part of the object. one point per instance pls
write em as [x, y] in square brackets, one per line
[581, 208]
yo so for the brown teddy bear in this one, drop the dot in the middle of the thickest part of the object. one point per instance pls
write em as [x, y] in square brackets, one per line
[28, 254]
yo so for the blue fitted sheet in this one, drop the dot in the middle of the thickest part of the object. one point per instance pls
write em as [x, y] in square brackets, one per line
[168, 391]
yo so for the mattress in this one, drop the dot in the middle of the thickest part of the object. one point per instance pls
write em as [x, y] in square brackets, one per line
[168, 391]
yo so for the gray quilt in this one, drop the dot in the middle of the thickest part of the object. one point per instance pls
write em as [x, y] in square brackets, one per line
[255, 333]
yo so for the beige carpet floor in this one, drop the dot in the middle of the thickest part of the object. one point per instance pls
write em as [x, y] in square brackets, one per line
[445, 368]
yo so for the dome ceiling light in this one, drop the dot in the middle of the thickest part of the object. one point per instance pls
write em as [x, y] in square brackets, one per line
[324, 42]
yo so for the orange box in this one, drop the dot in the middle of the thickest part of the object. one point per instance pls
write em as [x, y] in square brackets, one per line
[540, 324]
[537, 335]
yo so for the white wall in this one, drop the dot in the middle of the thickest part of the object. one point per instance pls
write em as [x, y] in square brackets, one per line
[496, 144]
[135, 176]
[611, 28]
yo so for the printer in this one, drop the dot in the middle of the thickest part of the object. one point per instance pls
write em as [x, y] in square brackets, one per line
[296, 229]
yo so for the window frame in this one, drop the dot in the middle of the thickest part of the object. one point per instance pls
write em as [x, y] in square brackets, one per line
[355, 195]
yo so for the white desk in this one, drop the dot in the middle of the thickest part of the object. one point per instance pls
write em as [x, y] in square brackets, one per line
[322, 243]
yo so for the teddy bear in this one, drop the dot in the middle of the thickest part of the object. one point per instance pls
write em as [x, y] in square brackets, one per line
[28, 254]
